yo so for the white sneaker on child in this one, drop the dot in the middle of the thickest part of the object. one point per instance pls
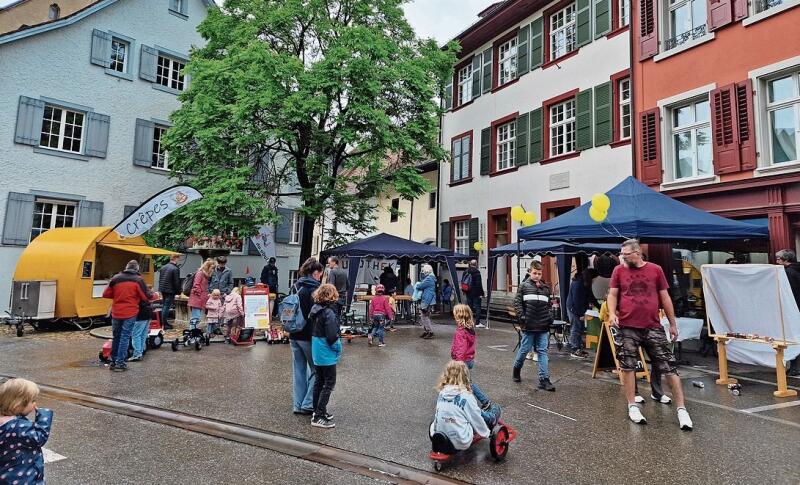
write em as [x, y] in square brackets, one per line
[635, 414]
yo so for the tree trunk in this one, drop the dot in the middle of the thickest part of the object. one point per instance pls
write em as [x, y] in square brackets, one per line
[306, 238]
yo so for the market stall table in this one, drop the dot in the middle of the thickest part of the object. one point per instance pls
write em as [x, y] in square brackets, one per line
[397, 298]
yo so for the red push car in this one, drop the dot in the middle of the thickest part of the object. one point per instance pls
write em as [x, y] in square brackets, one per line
[442, 450]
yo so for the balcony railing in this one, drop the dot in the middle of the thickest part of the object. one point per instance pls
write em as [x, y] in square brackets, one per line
[698, 31]
[762, 5]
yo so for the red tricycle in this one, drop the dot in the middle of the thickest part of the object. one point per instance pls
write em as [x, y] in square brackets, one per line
[442, 450]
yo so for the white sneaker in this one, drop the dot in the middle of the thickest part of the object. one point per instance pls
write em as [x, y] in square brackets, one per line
[535, 357]
[664, 399]
[480, 325]
[636, 415]
[639, 399]
[529, 356]
[684, 419]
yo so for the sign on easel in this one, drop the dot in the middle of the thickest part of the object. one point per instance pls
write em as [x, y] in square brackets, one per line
[256, 307]
[606, 356]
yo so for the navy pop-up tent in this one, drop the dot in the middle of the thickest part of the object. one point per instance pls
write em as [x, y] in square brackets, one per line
[562, 250]
[385, 246]
[640, 212]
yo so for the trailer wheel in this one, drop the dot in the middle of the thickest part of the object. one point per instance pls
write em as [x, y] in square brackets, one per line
[20, 331]
[157, 341]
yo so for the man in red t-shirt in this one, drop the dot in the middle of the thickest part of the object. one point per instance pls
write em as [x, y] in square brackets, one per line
[636, 292]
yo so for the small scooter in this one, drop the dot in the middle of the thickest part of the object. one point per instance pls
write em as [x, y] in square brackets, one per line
[192, 337]
[442, 450]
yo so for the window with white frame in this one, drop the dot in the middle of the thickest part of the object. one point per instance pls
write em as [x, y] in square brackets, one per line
[169, 74]
[562, 128]
[624, 108]
[506, 147]
[762, 5]
[686, 20]
[292, 277]
[563, 33]
[49, 214]
[461, 157]
[119, 55]
[461, 236]
[465, 84]
[507, 62]
[62, 129]
[159, 157]
[294, 236]
[783, 117]
[624, 17]
[691, 140]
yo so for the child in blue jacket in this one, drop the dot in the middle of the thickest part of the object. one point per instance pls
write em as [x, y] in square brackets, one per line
[22, 440]
[325, 351]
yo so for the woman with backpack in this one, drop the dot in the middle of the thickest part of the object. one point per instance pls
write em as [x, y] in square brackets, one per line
[300, 339]
[198, 295]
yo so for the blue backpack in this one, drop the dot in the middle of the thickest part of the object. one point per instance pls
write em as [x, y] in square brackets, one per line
[290, 314]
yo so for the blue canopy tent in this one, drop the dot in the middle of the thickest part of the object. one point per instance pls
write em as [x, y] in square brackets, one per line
[563, 252]
[640, 212]
[385, 246]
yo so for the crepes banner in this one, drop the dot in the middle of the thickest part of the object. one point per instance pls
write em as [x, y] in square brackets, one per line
[159, 206]
[265, 241]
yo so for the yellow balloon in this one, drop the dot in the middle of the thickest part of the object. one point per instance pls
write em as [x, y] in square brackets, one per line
[601, 201]
[528, 219]
[597, 215]
[517, 212]
[478, 246]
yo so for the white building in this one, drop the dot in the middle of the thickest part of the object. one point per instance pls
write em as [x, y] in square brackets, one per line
[538, 115]
[85, 99]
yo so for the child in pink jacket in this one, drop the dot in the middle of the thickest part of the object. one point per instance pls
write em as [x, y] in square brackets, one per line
[215, 307]
[380, 311]
[463, 347]
[233, 311]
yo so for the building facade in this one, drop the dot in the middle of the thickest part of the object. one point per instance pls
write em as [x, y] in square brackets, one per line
[538, 115]
[716, 89]
[86, 99]
[415, 219]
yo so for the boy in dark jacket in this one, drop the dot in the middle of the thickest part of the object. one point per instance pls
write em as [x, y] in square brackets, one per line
[325, 350]
[532, 304]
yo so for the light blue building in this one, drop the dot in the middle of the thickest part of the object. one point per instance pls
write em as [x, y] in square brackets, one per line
[84, 101]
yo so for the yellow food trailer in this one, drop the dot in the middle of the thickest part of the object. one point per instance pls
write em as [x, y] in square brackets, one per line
[61, 275]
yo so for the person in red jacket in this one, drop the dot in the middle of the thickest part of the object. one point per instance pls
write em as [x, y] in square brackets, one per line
[463, 346]
[380, 311]
[127, 290]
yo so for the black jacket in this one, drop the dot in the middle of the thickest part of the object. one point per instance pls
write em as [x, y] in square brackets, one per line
[169, 279]
[269, 276]
[532, 304]
[476, 285]
[389, 282]
[793, 273]
[324, 322]
[306, 285]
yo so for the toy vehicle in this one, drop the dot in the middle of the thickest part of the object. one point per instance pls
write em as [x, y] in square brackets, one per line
[192, 337]
[442, 450]
[155, 338]
[275, 334]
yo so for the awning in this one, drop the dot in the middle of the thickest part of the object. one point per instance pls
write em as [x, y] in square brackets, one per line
[138, 249]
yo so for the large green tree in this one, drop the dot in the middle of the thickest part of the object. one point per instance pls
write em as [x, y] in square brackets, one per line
[334, 101]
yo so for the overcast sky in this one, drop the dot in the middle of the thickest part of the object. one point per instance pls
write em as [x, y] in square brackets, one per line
[440, 19]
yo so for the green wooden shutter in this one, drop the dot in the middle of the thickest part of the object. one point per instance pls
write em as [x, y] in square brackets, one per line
[474, 236]
[29, 121]
[97, 134]
[602, 18]
[521, 143]
[476, 76]
[148, 60]
[448, 95]
[486, 151]
[101, 48]
[19, 219]
[283, 230]
[583, 123]
[535, 121]
[603, 127]
[444, 235]
[486, 73]
[537, 52]
[143, 143]
[584, 23]
[523, 48]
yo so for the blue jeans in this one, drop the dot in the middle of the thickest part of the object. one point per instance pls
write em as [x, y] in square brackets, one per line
[536, 341]
[479, 394]
[302, 375]
[576, 332]
[121, 331]
[167, 304]
[474, 303]
[378, 330]
[197, 313]
[139, 337]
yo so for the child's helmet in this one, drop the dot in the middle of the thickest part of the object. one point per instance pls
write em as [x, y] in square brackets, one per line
[379, 289]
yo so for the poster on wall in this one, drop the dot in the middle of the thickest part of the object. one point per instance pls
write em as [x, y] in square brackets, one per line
[369, 271]
[256, 308]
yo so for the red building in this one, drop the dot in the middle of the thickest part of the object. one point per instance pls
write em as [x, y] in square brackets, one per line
[716, 92]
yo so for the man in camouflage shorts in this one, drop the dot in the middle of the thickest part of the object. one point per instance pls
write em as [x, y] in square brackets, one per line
[636, 292]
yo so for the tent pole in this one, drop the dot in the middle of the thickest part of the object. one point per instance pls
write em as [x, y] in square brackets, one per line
[519, 255]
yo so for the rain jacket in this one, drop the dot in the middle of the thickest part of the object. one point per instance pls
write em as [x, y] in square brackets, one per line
[127, 290]
[463, 347]
[381, 305]
[325, 344]
[221, 280]
[233, 306]
[306, 285]
[215, 307]
[793, 273]
[458, 416]
[199, 293]
[532, 304]
[27, 439]
[428, 288]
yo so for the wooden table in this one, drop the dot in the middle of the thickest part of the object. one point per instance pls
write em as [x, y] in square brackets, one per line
[397, 298]
[780, 370]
